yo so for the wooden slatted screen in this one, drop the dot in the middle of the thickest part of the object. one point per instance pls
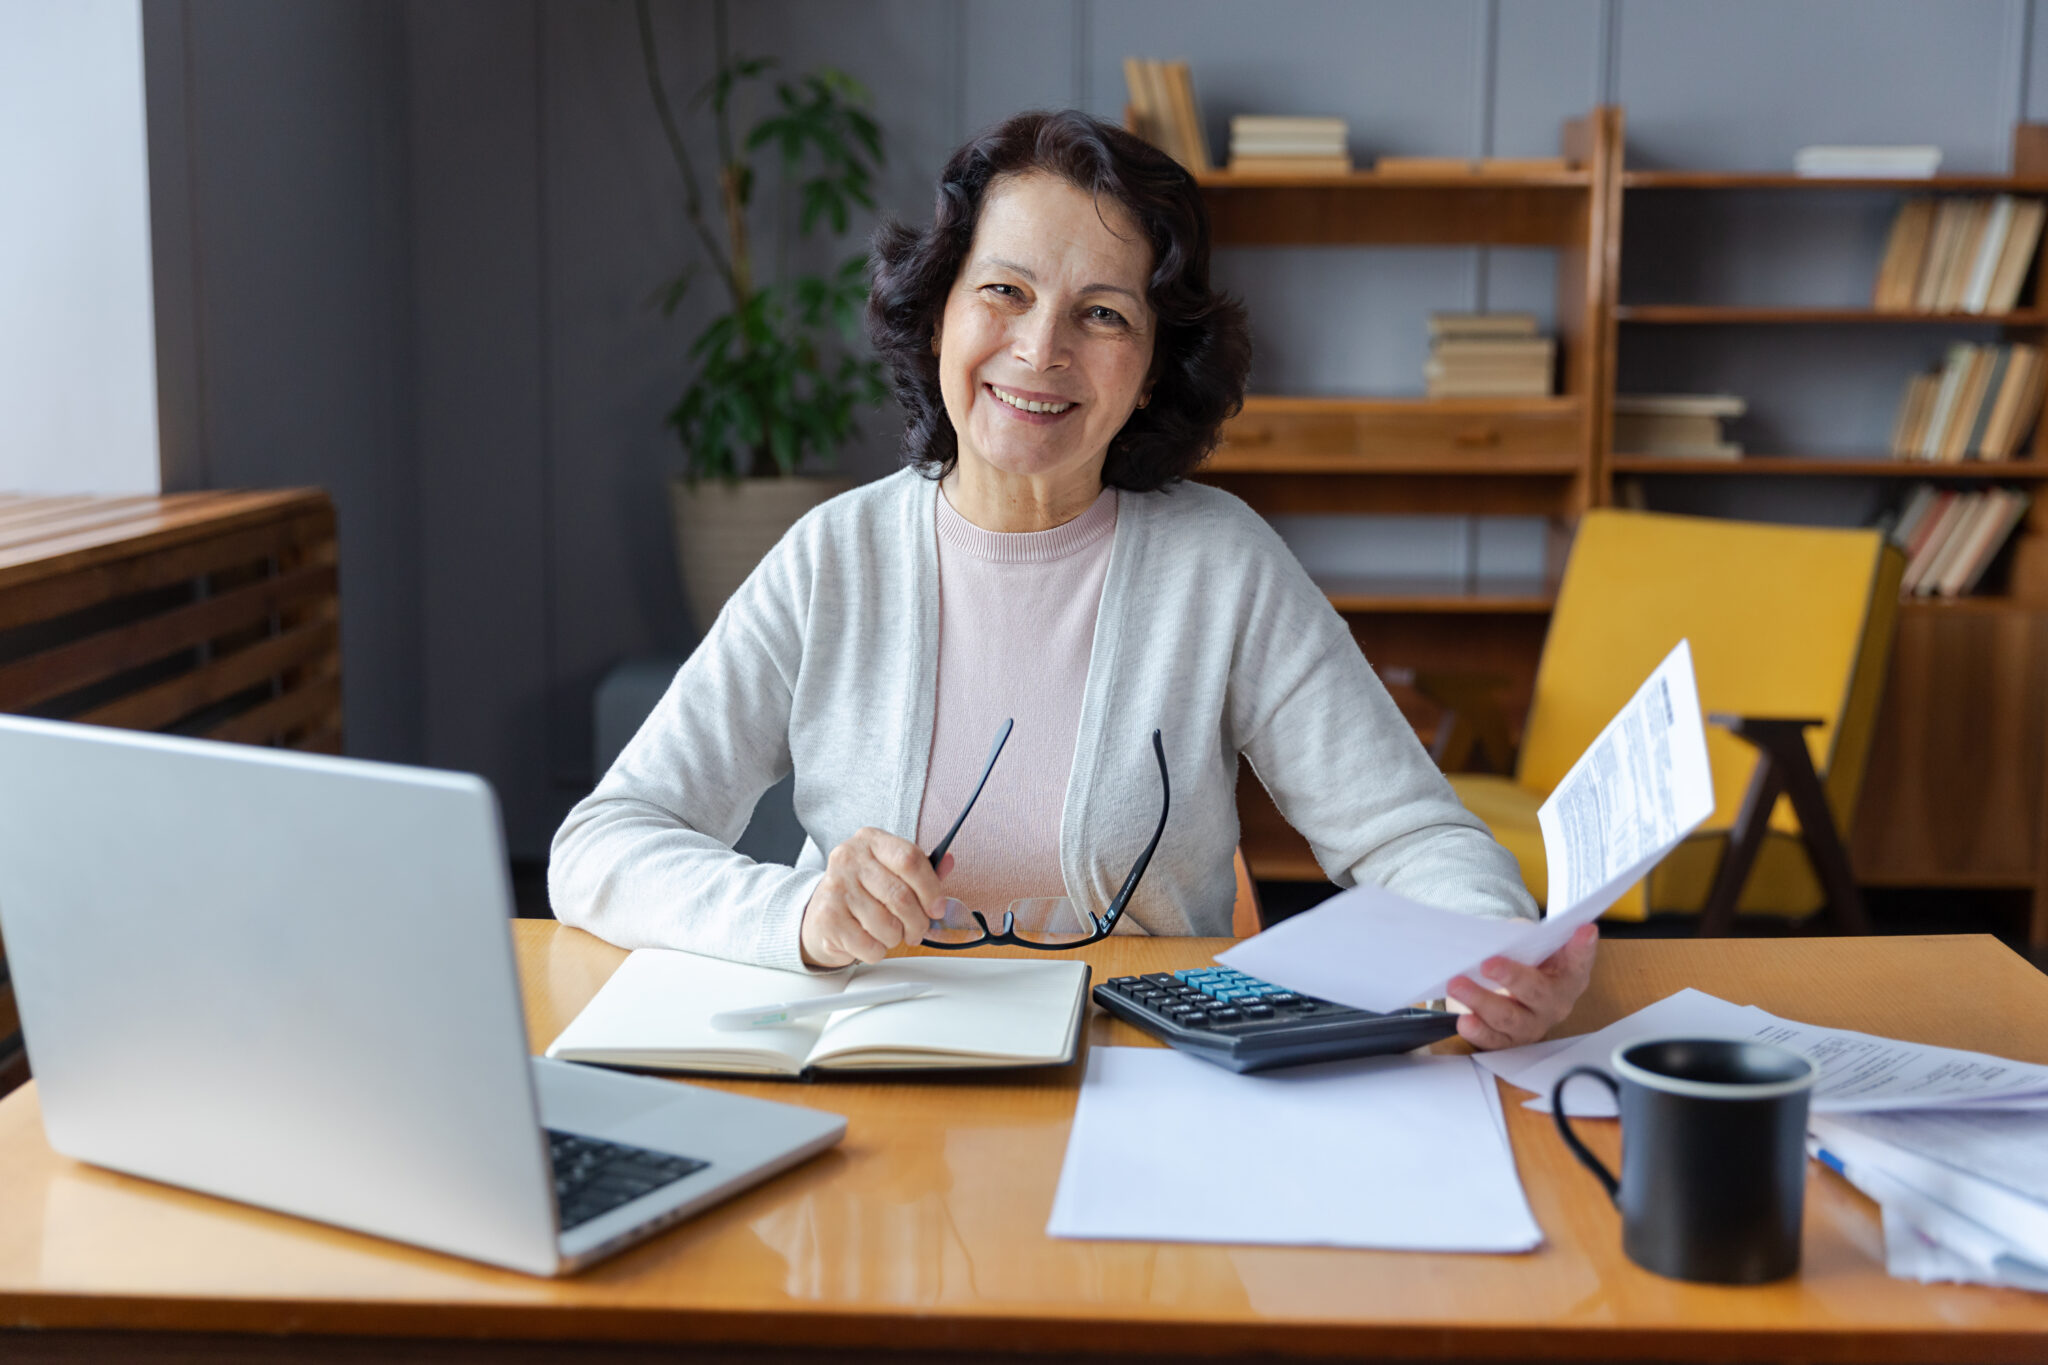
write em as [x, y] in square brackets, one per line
[210, 614]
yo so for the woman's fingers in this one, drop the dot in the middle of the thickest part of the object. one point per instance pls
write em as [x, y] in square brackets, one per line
[1536, 998]
[1481, 1034]
[912, 866]
[1503, 1015]
[878, 928]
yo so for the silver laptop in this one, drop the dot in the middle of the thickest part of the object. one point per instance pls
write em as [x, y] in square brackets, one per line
[288, 980]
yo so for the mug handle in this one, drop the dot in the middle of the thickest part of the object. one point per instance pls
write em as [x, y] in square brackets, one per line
[1571, 1139]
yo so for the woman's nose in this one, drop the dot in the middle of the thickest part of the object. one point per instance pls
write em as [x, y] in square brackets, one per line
[1040, 340]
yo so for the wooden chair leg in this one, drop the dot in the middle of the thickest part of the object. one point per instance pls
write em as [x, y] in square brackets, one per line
[1784, 766]
[1745, 840]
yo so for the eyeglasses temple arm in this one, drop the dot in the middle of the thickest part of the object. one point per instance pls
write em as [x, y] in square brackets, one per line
[1123, 895]
[994, 751]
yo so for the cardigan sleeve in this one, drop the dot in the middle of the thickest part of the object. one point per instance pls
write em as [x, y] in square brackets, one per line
[646, 860]
[1345, 768]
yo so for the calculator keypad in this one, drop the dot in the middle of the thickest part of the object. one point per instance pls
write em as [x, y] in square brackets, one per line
[1205, 997]
[1246, 1024]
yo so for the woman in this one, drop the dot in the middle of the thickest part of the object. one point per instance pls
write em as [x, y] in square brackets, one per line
[1064, 364]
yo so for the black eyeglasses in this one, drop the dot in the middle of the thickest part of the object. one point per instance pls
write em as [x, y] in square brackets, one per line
[1049, 923]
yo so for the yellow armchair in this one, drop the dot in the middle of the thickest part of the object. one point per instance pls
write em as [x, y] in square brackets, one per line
[1786, 623]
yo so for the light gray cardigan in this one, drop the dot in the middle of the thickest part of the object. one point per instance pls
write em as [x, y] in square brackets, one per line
[826, 661]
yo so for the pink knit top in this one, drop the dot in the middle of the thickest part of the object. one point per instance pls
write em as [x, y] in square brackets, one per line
[1016, 625]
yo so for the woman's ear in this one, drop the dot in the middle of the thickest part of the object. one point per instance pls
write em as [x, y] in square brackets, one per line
[935, 339]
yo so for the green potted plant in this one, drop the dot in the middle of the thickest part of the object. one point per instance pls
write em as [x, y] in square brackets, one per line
[777, 374]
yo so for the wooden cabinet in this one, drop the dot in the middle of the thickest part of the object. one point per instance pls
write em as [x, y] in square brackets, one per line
[1956, 794]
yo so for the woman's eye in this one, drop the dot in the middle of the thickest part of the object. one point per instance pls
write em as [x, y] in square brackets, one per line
[1101, 314]
[1008, 291]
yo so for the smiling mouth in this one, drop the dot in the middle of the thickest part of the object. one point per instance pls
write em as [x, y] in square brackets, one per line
[1031, 405]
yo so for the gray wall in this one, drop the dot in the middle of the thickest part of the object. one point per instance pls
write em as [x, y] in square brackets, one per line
[280, 215]
[417, 241]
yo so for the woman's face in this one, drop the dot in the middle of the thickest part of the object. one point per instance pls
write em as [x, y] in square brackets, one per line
[1047, 338]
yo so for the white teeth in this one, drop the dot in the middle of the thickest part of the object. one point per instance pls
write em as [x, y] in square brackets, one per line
[1026, 405]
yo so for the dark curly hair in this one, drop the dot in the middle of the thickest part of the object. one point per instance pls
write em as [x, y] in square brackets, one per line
[1202, 346]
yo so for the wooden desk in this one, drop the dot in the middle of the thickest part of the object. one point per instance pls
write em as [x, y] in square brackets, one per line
[925, 1229]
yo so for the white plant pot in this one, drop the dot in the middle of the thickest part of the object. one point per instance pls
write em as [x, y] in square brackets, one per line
[723, 528]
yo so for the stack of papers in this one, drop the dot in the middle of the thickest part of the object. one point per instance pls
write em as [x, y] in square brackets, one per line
[1405, 1153]
[1952, 1145]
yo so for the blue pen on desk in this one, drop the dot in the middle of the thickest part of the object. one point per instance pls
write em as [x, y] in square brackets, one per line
[768, 1016]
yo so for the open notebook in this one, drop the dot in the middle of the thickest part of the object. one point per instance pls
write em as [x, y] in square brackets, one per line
[655, 1013]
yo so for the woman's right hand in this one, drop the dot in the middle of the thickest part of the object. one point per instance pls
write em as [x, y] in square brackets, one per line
[879, 891]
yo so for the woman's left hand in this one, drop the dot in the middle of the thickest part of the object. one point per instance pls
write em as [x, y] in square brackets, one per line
[1535, 1000]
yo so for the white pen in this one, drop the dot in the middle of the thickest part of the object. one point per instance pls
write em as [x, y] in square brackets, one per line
[767, 1016]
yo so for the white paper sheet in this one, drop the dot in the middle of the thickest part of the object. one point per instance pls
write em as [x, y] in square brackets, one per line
[1927, 1241]
[1860, 1072]
[1641, 787]
[1402, 1152]
[2000, 1230]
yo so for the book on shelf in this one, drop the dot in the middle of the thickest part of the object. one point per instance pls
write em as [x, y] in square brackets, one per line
[1899, 273]
[1951, 539]
[1289, 165]
[2003, 510]
[1281, 144]
[1163, 111]
[1475, 355]
[1676, 425]
[1482, 325]
[1979, 405]
[1682, 404]
[1899, 163]
[1958, 254]
[655, 1014]
[1334, 130]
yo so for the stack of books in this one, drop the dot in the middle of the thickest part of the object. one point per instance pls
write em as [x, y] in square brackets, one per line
[1867, 163]
[1275, 144]
[1488, 355]
[1958, 255]
[1980, 405]
[1951, 538]
[1683, 426]
[1163, 111]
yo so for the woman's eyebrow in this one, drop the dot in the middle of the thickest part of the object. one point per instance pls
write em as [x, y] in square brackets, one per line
[1025, 272]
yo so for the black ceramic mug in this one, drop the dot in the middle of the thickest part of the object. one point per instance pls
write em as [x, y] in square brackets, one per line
[1713, 1155]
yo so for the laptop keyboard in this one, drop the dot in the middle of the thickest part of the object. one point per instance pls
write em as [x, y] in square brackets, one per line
[593, 1177]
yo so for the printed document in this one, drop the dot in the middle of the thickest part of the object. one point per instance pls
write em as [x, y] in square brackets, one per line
[1970, 1182]
[1860, 1073]
[1639, 789]
[1407, 1153]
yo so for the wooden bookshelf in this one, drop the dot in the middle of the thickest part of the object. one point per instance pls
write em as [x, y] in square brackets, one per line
[1943, 728]
[1956, 794]
[1353, 454]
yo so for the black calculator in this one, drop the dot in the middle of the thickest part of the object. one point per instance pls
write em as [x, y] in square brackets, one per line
[1246, 1024]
